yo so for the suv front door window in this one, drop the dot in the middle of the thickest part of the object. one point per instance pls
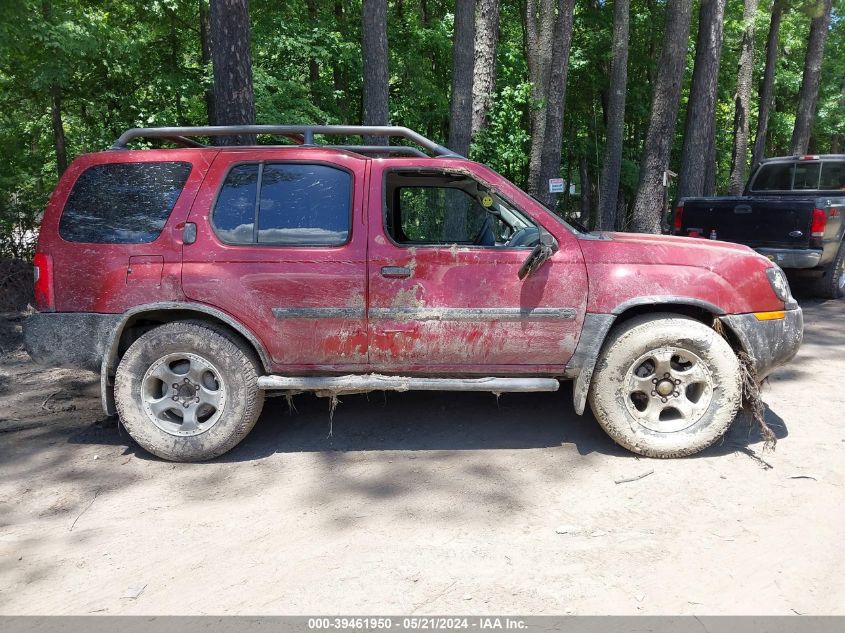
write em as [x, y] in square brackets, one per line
[428, 210]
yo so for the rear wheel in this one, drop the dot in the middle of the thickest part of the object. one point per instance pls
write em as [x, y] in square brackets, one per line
[831, 285]
[665, 386]
[188, 391]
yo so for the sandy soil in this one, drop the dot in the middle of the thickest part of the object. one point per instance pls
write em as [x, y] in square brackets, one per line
[423, 504]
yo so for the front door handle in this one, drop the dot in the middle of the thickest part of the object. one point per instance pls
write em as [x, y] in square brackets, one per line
[395, 272]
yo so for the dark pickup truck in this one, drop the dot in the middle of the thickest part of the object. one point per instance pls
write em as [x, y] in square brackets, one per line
[791, 212]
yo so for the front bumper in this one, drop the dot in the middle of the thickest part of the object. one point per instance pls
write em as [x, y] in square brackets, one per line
[76, 340]
[792, 257]
[769, 343]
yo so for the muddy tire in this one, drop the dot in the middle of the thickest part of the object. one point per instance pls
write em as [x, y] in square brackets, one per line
[831, 285]
[665, 386]
[188, 391]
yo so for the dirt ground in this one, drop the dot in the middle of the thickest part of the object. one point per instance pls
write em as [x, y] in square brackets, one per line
[423, 503]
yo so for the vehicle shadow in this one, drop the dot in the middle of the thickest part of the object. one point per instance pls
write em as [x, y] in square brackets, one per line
[428, 421]
[745, 432]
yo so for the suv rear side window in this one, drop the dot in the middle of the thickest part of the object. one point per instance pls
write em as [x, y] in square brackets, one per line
[122, 203]
[298, 205]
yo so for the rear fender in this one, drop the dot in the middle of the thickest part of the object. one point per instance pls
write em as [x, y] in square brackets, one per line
[164, 312]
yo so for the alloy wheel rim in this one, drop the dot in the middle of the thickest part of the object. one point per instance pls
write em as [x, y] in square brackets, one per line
[183, 394]
[668, 389]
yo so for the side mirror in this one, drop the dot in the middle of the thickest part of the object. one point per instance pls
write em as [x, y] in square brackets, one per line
[545, 248]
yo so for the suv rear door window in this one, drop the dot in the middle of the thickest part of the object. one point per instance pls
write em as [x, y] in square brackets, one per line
[122, 203]
[234, 213]
[298, 205]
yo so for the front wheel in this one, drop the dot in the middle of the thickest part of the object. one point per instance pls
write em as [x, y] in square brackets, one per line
[666, 386]
[187, 391]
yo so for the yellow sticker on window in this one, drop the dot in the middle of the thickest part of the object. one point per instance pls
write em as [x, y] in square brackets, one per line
[487, 201]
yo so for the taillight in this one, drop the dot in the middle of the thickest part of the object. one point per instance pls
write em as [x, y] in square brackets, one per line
[45, 300]
[819, 223]
[678, 220]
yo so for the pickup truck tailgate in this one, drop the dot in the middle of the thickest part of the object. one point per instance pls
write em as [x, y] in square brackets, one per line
[756, 222]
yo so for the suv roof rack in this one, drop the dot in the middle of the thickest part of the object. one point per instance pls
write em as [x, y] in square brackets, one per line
[302, 134]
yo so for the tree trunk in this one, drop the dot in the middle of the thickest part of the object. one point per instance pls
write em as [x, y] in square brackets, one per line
[768, 84]
[710, 170]
[56, 108]
[742, 101]
[313, 66]
[837, 140]
[173, 63]
[374, 53]
[584, 177]
[234, 102]
[484, 65]
[553, 136]
[620, 221]
[463, 56]
[648, 208]
[339, 77]
[538, 32]
[612, 169]
[58, 128]
[205, 59]
[700, 129]
[568, 176]
[546, 145]
[809, 93]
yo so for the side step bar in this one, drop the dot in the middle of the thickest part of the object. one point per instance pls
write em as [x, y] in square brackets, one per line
[376, 382]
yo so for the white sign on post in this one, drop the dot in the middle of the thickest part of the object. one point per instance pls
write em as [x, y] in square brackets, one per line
[555, 185]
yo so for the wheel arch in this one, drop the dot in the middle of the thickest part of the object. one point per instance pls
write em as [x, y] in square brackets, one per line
[598, 326]
[141, 319]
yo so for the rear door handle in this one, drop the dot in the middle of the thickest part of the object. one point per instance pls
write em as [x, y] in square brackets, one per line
[395, 272]
[189, 233]
[742, 208]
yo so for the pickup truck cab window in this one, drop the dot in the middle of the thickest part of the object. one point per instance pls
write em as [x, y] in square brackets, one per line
[773, 177]
[800, 175]
[833, 176]
[806, 176]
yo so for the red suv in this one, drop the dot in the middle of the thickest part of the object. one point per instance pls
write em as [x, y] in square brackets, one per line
[195, 279]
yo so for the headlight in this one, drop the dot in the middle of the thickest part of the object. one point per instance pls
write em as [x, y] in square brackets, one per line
[779, 284]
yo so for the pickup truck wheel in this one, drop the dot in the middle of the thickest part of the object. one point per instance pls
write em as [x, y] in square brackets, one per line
[665, 386]
[187, 391]
[831, 285]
